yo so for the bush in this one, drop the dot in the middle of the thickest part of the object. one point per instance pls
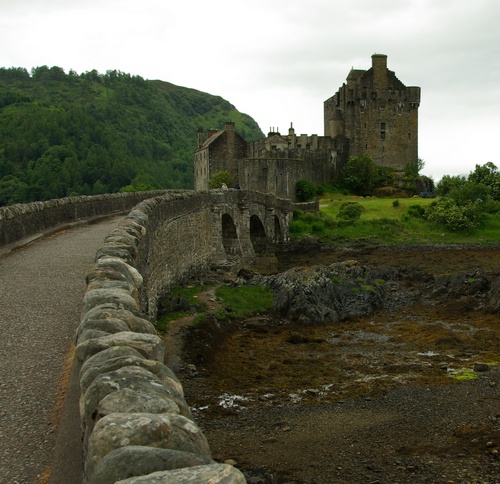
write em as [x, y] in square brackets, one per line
[395, 203]
[456, 218]
[219, 178]
[350, 211]
[415, 211]
[305, 190]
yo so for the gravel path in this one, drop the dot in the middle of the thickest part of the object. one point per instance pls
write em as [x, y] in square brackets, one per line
[41, 290]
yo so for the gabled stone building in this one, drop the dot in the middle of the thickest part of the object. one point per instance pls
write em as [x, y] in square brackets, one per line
[373, 112]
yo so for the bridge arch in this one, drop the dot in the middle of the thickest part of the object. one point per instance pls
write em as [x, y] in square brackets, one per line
[230, 239]
[258, 235]
[278, 232]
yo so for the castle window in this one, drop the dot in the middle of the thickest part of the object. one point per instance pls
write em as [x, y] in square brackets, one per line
[382, 130]
[382, 135]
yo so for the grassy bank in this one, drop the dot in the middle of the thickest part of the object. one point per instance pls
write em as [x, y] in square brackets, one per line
[387, 221]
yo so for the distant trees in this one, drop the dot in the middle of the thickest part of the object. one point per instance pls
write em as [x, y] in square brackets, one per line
[465, 201]
[68, 134]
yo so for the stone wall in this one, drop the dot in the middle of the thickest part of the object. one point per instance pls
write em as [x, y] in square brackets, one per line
[24, 220]
[136, 425]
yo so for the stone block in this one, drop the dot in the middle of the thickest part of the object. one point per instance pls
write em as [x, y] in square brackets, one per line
[166, 431]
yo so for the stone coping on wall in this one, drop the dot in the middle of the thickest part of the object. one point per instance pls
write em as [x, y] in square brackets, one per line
[23, 221]
[136, 424]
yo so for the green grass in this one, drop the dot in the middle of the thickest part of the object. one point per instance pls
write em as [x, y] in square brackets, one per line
[384, 222]
[464, 374]
[374, 208]
[244, 301]
[236, 302]
[189, 293]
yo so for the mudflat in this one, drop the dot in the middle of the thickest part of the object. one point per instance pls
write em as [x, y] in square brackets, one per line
[407, 394]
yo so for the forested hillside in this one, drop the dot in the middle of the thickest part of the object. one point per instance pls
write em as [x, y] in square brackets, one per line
[65, 134]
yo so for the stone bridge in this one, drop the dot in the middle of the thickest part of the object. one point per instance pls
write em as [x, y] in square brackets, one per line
[134, 418]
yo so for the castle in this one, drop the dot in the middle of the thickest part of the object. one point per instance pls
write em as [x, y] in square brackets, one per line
[373, 112]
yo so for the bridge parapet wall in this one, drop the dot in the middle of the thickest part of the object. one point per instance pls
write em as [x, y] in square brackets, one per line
[137, 426]
[23, 220]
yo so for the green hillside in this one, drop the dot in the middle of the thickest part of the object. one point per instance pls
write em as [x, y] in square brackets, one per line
[65, 134]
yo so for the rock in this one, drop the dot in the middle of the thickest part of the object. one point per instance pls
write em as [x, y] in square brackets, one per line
[114, 268]
[133, 378]
[133, 460]
[148, 345]
[91, 328]
[103, 356]
[492, 300]
[480, 367]
[135, 320]
[324, 294]
[121, 298]
[166, 431]
[97, 365]
[132, 401]
[110, 249]
[213, 474]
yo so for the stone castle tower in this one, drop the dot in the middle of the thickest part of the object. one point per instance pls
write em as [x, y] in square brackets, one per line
[375, 113]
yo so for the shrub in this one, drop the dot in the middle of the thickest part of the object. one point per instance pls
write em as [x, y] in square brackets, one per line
[350, 211]
[395, 203]
[456, 218]
[219, 178]
[415, 211]
[305, 190]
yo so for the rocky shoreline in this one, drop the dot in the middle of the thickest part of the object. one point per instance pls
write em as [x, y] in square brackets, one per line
[350, 379]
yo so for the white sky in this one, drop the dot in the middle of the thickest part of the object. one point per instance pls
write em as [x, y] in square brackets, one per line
[279, 60]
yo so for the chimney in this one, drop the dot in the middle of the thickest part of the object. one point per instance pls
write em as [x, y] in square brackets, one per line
[379, 66]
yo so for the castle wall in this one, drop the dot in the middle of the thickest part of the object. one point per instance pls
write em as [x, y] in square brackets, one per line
[276, 174]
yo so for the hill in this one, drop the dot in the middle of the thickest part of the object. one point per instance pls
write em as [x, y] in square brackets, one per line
[64, 134]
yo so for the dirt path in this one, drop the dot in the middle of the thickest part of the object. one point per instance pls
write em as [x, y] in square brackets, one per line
[380, 400]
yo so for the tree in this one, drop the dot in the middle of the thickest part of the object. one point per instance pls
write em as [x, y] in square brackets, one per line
[489, 176]
[218, 179]
[449, 183]
[305, 190]
[360, 175]
[12, 190]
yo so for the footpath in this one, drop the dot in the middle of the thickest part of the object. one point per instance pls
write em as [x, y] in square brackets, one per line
[42, 284]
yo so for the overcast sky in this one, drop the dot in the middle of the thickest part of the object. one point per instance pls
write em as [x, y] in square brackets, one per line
[279, 60]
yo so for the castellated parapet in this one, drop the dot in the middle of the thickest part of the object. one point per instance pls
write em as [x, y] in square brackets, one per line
[373, 112]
